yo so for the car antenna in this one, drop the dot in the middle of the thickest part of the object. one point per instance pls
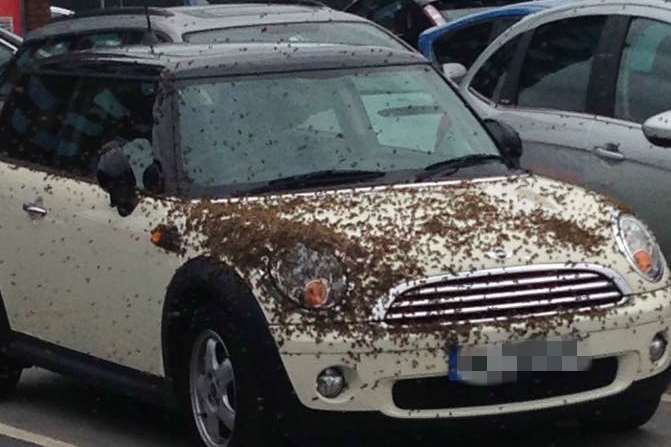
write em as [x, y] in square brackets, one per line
[150, 31]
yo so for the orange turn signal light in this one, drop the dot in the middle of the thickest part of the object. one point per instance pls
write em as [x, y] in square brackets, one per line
[316, 293]
[643, 261]
[167, 237]
[156, 236]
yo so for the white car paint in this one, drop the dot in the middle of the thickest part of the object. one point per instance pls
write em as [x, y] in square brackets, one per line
[105, 296]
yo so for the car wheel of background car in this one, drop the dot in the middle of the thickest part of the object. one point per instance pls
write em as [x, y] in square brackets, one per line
[223, 403]
[10, 373]
[623, 415]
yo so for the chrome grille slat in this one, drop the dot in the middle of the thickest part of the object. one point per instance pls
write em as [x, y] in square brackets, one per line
[504, 283]
[502, 295]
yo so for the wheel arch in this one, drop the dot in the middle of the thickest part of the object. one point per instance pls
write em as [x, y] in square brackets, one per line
[207, 284]
[5, 328]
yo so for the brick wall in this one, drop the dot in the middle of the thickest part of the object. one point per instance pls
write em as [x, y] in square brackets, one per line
[36, 13]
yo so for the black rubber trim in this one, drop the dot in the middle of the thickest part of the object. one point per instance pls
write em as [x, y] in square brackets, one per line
[603, 79]
[88, 369]
[440, 392]
[510, 89]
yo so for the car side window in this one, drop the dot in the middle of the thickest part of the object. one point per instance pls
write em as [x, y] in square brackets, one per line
[558, 64]
[644, 78]
[492, 75]
[464, 45]
[502, 24]
[5, 55]
[62, 122]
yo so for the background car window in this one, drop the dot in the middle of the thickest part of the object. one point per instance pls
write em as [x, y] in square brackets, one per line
[109, 40]
[343, 32]
[558, 64]
[492, 76]
[644, 79]
[5, 55]
[463, 46]
[390, 14]
[404, 18]
[63, 122]
[382, 12]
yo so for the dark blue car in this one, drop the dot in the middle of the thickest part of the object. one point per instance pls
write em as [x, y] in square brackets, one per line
[461, 41]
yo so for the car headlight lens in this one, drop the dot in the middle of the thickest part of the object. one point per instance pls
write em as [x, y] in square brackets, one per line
[314, 279]
[641, 248]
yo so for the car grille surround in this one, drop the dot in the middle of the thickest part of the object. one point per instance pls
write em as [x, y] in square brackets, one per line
[504, 294]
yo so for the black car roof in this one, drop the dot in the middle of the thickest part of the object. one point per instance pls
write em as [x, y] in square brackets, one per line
[175, 22]
[184, 61]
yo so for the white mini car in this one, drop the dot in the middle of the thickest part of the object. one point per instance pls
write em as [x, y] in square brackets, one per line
[286, 236]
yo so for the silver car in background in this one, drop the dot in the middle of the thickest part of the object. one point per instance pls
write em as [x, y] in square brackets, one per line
[588, 87]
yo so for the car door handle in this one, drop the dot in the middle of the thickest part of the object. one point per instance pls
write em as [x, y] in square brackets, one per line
[610, 152]
[35, 209]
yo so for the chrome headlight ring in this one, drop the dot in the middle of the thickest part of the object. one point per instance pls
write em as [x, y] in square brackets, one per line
[640, 247]
[314, 279]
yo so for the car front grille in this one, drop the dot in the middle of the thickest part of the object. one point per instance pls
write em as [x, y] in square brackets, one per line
[504, 294]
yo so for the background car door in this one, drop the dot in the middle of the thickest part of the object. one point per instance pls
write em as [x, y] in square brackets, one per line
[538, 83]
[74, 272]
[630, 168]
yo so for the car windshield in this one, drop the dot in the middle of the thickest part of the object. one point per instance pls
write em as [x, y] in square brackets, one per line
[258, 129]
[350, 33]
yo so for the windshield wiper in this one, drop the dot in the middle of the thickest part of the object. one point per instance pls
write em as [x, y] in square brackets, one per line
[457, 163]
[319, 178]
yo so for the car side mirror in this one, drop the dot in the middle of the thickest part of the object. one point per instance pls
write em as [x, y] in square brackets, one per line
[116, 177]
[658, 129]
[454, 71]
[153, 179]
[508, 141]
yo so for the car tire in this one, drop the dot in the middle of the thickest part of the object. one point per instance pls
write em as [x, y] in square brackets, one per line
[10, 374]
[221, 399]
[623, 415]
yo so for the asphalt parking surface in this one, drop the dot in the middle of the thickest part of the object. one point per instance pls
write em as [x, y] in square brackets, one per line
[49, 410]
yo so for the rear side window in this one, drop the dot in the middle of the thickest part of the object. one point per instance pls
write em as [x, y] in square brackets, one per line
[558, 64]
[67, 43]
[63, 122]
[60, 45]
[463, 46]
[644, 79]
[492, 76]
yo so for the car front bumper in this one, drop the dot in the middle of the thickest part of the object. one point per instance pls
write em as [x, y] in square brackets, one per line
[624, 335]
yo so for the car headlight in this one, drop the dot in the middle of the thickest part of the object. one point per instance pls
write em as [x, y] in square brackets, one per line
[640, 247]
[314, 279]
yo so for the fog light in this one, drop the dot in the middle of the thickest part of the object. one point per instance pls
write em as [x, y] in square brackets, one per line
[658, 347]
[331, 383]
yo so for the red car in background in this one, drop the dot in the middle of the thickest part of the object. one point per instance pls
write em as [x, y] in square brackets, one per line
[10, 16]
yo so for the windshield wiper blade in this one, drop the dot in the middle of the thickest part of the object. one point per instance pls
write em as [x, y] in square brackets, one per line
[320, 178]
[457, 163]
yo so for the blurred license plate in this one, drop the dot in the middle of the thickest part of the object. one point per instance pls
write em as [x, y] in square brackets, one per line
[503, 363]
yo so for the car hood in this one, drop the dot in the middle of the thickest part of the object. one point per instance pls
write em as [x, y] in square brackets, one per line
[389, 235]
